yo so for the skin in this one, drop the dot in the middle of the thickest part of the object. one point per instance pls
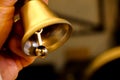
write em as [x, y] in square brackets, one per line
[12, 60]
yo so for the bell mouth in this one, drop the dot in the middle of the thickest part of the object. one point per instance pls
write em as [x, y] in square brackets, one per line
[53, 37]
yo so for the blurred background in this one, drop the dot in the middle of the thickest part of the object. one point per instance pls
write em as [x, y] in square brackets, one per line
[95, 30]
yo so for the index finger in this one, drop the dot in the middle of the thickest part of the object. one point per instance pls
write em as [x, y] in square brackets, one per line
[6, 19]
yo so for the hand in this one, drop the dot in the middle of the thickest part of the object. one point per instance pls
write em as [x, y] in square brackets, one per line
[12, 59]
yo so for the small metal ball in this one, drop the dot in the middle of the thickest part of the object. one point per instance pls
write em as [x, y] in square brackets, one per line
[41, 51]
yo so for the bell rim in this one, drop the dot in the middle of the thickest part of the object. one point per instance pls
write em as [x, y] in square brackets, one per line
[44, 24]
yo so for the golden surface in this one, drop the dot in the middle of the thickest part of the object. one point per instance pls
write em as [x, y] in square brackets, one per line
[101, 60]
[36, 15]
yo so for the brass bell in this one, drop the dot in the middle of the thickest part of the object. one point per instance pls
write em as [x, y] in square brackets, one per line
[44, 31]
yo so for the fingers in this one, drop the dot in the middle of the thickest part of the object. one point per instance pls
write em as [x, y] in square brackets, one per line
[15, 46]
[6, 19]
[8, 66]
[21, 59]
[7, 3]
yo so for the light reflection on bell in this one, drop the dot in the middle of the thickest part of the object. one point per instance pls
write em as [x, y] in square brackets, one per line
[36, 15]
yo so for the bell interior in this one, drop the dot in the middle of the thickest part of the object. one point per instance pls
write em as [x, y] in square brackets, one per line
[52, 36]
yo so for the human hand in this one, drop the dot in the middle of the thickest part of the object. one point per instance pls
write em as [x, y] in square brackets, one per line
[12, 58]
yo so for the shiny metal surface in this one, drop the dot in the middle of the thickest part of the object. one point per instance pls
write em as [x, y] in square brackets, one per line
[36, 15]
[101, 60]
[41, 51]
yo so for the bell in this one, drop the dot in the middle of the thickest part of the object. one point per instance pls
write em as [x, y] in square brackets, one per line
[44, 31]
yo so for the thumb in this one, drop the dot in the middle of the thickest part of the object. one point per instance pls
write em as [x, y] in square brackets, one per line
[6, 19]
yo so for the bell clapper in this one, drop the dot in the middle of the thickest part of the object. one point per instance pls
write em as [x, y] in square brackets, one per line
[40, 50]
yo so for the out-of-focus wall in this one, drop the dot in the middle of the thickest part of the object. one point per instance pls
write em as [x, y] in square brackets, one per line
[80, 9]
